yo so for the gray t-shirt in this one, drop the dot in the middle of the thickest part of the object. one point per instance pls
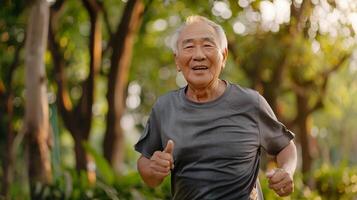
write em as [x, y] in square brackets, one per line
[217, 144]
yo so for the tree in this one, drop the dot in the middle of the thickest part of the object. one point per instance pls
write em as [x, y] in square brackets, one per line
[279, 60]
[6, 99]
[11, 49]
[77, 119]
[121, 44]
[280, 64]
[7, 108]
[36, 125]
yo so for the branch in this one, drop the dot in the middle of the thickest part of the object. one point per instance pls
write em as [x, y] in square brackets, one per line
[92, 6]
[55, 10]
[298, 89]
[106, 18]
[147, 6]
[113, 35]
[57, 6]
[337, 66]
[107, 25]
[300, 15]
[326, 76]
[64, 102]
[95, 52]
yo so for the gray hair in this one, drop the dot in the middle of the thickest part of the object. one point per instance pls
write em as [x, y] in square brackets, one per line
[196, 18]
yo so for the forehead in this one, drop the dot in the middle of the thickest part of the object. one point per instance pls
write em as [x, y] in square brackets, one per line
[197, 30]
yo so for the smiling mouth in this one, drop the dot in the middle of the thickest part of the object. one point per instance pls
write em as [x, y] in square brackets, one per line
[199, 68]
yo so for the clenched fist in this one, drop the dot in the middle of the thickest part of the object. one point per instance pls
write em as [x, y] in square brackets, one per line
[281, 182]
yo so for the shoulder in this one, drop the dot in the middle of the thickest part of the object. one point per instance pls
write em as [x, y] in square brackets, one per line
[244, 90]
[244, 96]
[252, 99]
[166, 100]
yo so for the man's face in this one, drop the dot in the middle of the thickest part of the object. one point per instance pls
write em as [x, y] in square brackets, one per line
[199, 55]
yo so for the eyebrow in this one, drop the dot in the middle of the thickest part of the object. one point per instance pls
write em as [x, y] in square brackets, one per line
[209, 39]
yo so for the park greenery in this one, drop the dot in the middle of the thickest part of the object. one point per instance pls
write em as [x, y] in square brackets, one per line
[105, 62]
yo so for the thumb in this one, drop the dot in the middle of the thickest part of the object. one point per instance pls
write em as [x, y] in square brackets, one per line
[270, 173]
[169, 147]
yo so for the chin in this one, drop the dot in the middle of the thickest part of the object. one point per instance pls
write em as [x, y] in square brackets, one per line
[199, 83]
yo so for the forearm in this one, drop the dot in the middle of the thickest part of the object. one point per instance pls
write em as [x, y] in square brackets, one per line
[146, 173]
[287, 158]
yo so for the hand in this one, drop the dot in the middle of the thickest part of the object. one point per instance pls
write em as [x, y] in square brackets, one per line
[281, 182]
[162, 161]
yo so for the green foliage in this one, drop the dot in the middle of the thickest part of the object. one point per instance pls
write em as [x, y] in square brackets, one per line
[301, 191]
[153, 68]
[331, 183]
[336, 182]
[104, 168]
[75, 186]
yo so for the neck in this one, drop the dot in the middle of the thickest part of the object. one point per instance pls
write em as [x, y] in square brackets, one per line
[206, 94]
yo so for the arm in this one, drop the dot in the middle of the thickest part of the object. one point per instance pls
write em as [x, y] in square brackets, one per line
[281, 179]
[287, 158]
[154, 170]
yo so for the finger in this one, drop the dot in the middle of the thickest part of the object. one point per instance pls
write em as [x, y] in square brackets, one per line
[162, 155]
[272, 172]
[278, 176]
[289, 189]
[283, 183]
[161, 174]
[169, 150]
[169, 147]
[165, 156]
[157, 155]
[163, 162]
[160, 169]
[282, 192]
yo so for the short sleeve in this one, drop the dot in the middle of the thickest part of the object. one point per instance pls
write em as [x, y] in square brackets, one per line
[274, 135]
[150, 140]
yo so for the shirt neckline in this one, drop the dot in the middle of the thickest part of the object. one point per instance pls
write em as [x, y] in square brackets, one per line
[204, 104]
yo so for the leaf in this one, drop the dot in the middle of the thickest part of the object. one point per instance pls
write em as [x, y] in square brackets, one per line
[105, 170]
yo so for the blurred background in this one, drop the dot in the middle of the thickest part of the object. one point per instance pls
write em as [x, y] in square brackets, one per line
[78, 79]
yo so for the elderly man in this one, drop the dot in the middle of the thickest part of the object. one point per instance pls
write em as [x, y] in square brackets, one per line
[209, 134]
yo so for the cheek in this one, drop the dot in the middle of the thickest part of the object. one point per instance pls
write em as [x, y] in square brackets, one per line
[183, 60]
[217, 61]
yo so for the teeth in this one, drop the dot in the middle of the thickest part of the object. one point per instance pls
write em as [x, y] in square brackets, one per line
[199, 68]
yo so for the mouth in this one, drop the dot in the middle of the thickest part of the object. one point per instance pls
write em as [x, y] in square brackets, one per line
[199, 67]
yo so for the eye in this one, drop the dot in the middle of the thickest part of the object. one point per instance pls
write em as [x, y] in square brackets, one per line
[208, 45]
[188, 47]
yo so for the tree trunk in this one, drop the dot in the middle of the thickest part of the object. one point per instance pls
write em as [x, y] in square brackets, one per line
[122, 45]
[304, 128]
[6, 107]
[7, 163]
[36, 104]
[78, 118]
[271, 94]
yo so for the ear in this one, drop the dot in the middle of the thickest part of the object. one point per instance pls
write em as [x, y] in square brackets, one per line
[177, 63]
[225, 55]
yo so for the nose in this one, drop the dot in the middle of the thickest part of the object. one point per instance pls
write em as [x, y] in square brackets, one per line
[198, 54]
